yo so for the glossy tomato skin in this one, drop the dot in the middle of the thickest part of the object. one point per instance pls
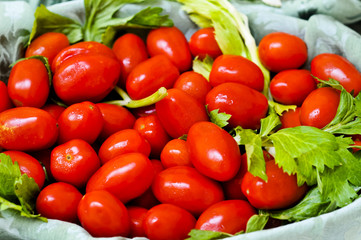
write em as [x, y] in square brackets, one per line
[246, 105]
[103, 215]
[5, 101]
[126, 176]
[28, 84]
[27, 129]
[53, 109]
[320, 107]
[176, 153]
[291, 118]
[330, 65]
[144, 111]
[280, 51]
[59, 201]
[187, 188]
[170, 41]
[203, 43]
[167, 221]
[136, 217]
[148, 76]
[213, 151]
[178, 111]
[230, 216]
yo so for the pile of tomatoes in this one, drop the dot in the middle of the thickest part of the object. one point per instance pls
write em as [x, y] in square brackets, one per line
[161, 170]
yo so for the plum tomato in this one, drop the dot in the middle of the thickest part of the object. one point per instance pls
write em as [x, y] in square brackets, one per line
[136, 217]
[320, 107]
[167, 221]
[103, 215]
[59, 201]
[229, 216]
[280, 51]
[213, 151]
[245, 105]
[291, 118]
[53, 109]
[170, 41]
[237, 69]
[27, 129]
[203, 43]
[280, 190]
[176, 153]
[291, 87]
[5, 101]
[329, 65]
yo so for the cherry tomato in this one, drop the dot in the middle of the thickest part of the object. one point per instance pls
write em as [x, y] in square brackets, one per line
[5, 102]
[203, 43]
[280, 51]
[167, 221]
[245, 105]
[28, 84]
[320, 107]
[27, 129]
[237, 69]
[230, 216]
[280, 190]
[59, 201]
[103, 215]
[53, 109]
[171, 42]
[291, 118]
[330, 65]
[186, 187]
[136, 217]
[176, 153]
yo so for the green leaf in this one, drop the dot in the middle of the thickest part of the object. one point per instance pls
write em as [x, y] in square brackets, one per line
[269, 123]
[196, 234]
[9, 172]
[203, 67]
[257, 222]
[26, 191]
[220, 119]
[280, 108]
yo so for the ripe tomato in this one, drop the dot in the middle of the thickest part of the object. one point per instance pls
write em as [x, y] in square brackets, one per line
[320, 107]
[176, 153]
[27, 129]
[280, 51]
[203, 43]
[136, 217]
[53, 109]
[171, 42]
[291, 118]
[144, 111]
[103, 215]
[167, 221]
[5, 102]
[59, 201]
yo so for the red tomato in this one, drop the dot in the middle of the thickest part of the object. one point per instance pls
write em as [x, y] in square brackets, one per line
[230, 216]
[136, 217]
[213, 151]
[280, 190]
[126, 176]
[74, 162]
[167, 221]
[320, 107]
[291, 118]
[356, 143]
[144, 111]
[28, 84]
[178, 111]
[203, 43]
[171, 42]
[103, 215]
[246, 105]
[186, 187]
[330, 65]
[237, 69]
[151, 74]
[5, 102]
[59, 201]
[27, 129]
[291, 87]
[53, 109]
[28, 165]
[176, 153]
[280, 51]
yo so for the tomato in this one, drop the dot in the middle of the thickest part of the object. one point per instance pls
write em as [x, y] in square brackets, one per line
[53, 109]
[123, 141]
[330, 65]
[186, 187]
[320, 107]
[5, 101]
[59, 201]
[203, 43]
[213, 151]
[230, 216]
[82, 120]
[48, 45]
[237, 69]
[28, 165]
[291, 87]
[74, 162]
[28, 84]
[358, 144]
[103, 215]
[291, 118]
[130, 50]
[246, 105]
[280, 190]
[136, 217]
[144, 111]
[171, 42]
[27, 129]
[148, 76]
[127, 176]
[167, 221]
[176, 153]
[280, 51]
[178, 111]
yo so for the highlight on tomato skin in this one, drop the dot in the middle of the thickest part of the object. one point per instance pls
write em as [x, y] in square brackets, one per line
[203, 43]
